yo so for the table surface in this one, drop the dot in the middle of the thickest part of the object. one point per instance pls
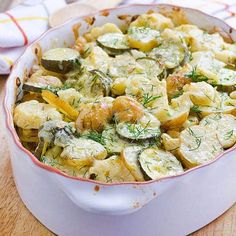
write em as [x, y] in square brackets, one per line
[16, 220]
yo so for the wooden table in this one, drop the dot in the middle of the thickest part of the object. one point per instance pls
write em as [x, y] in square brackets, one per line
[16, 220]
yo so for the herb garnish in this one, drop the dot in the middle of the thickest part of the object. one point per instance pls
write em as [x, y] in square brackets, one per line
[198, 140]
[228, 134]
[195, 77]
[195, 109]
[147, 98]
[95, 136]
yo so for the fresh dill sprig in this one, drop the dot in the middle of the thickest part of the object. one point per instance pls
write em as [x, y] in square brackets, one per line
[195, 77]
[195, 109]
[95, 136]
[55, 90]
[147, 98]
[198, 140]
[138, 131]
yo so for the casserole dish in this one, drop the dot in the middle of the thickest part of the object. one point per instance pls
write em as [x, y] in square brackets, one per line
[186, 202]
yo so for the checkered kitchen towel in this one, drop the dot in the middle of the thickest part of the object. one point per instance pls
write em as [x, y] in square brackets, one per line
[26, 22]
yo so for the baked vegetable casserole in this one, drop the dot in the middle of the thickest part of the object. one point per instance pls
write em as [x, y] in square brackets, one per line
[136, 103]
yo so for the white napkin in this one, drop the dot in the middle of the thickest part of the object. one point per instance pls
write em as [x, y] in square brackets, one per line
[21, 25]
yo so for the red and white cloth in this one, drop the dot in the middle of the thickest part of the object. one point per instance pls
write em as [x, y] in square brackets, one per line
[21, 25]
[223, 9]
[27, 21]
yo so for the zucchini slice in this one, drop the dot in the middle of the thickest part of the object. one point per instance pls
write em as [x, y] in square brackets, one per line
[60, 104]
[143, 38]
[137, 131]
[198, 144]
[225, 126]
[112, 142]
[171, 53]
[152, 67]
[104, 80]
[113, 41]
[31, 88]
[130, 158]
[61, 60]
[157, 163]
[146, 127]
[82, 151]
[41, 148]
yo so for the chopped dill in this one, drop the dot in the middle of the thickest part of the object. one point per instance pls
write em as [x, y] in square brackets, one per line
[195, 109]
[228, 134]
[138, 131]
[146, 99]
[195, 77]
[95, 136]
[198, 140]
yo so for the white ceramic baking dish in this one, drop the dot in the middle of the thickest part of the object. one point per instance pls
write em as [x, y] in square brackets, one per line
[71, 206]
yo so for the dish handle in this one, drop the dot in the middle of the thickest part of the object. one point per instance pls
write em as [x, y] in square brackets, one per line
[105, 199]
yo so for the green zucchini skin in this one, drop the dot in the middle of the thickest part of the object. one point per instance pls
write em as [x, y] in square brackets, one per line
[157, 163]
[170, 53]
[104, 79]
[136, 132]
[153, 67]
[61, 60]
[113, 43]
[31, 88]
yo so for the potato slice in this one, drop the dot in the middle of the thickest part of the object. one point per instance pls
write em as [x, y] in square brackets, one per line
[199, 145]
[82, 152]
[118, 86]
[178, 112]
[151, 93]
[110, 170]
[233, 95]
[192, 120]
[201, 93]
[205, 64]
[143, 38]
[169, 143]
[225, 126]
[157, 163]
[127, 109]
[32, 114]
[223, 104]
[130, 158]
[154, 21]
[104, 29]
[52, 158]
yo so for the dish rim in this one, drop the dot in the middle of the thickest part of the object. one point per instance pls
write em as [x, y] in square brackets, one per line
[8, 112]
